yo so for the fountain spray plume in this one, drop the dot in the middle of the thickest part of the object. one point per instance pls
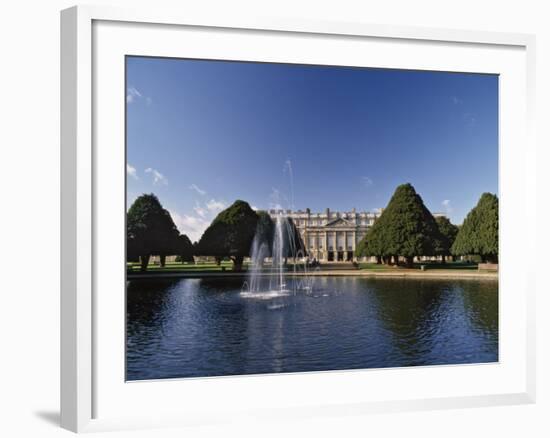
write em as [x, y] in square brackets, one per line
[279, 239]
[288, 168]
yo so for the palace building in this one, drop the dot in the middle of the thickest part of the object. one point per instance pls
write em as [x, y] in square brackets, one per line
[332, 236]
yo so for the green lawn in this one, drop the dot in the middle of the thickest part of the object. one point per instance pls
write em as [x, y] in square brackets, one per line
[428, 266]
[184, 267]
[227, 266]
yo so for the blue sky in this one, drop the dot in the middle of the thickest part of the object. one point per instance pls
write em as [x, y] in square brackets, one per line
[201, 134]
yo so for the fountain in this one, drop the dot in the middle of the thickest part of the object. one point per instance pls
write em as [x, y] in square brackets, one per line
[279, 244]
[277, 239]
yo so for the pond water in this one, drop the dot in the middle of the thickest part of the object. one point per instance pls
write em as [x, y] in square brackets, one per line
[208, 327]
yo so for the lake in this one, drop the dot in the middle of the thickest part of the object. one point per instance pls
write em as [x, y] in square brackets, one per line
[191, 327]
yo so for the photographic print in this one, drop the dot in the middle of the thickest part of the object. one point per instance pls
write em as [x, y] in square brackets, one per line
[299, 218]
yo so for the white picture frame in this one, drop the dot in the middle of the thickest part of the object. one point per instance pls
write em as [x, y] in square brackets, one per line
[85, 376]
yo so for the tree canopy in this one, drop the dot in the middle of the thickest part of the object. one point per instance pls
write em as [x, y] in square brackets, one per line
[184, 249]
[405, 228]
[150, 229]
[230, 234]
[370, 245]
[448, 232]
[478, 235]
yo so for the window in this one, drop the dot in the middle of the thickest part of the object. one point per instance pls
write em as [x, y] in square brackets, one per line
[340, 240]
[350, 242]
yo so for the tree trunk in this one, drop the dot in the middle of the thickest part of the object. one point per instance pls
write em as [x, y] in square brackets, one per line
[378, 260]
[409, 260]
[443, 261]
[162, 261]
[218, 260]
[237, 263]
[144, 259]
[396, 260]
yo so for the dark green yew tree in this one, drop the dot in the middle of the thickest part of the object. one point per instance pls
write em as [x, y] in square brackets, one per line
[370, 245]
[230, 234]
[405, 228]
[478, 235]
[184, 249]
[448, 232]
[150, 230]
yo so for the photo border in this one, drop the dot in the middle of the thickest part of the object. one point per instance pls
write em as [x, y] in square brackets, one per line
[77, 197]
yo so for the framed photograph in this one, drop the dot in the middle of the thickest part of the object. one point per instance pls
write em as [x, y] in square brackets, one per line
[290, 218]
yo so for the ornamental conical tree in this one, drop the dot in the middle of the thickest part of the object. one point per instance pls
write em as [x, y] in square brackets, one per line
[406, 227]
[184, 249]
[479, 233]
[448, 233]
[150, 230]
[370, 245]
[230, 234]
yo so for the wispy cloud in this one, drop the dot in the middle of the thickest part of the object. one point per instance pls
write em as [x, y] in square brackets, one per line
[366, 181]
[456, 100]
[197, 189]
[158, 178]
[133, 95]
[194, 224]
[201, 211]
[131, 170]
[215, 206]
[447, 206]
[469, 120]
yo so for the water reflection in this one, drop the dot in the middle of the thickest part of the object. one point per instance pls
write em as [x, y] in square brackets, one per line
[204, 327]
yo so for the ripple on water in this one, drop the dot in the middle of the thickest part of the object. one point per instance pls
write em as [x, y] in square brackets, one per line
[209, 327]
